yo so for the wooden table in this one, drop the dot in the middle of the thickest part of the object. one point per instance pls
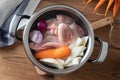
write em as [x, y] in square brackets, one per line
[14, 64]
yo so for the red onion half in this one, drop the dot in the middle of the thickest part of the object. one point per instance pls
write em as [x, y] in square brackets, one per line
[41, 25]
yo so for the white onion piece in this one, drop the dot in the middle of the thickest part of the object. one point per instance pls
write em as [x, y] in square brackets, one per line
[36, 36]
[78, 42]
[75, 61]
[52, 62]
[81, 54]
[85, 39]
[60, 61]
[74, 53]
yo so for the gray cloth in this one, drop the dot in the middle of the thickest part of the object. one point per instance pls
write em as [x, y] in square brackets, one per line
[8, 10]
[7, 7]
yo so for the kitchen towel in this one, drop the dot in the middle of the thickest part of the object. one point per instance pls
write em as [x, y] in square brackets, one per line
[7, 8]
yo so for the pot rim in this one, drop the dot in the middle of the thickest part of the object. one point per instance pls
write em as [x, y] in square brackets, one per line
[26, 39]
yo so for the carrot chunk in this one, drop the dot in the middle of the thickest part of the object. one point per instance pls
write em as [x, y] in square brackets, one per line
[60, 53]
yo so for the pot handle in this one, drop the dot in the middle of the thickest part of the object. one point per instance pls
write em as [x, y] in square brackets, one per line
[103, 51]
[14, 25]
[102, 23]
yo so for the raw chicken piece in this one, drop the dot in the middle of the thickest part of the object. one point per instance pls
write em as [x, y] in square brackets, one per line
[52, 27]
[48, 42]
[60, 32]
[71, 23]
[64, 19]
[34, 46]
[77, 30]
[50, 38]
[51, 22]
[52, 30]
[65, 34]
[48, 45]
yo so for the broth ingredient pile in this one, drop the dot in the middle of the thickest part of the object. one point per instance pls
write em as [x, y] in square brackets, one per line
[58, 42]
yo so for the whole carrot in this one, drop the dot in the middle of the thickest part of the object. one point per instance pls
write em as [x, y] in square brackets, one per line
[109, 4]
[116, 7]
[86, 3]
[60, 53]
[99, 4]
[118, 1]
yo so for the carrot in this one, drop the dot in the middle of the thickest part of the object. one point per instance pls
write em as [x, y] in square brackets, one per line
[116, 7]
[44, 53]
[86, 3]
[118, 1]
[109, 5]
[61, 53]
[99, 4]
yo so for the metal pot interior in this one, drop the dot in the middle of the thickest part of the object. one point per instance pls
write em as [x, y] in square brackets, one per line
[51, 12]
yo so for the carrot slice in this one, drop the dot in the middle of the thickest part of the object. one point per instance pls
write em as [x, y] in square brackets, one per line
[116, 7]
[109, 5]
[99, 5]
[60, 53]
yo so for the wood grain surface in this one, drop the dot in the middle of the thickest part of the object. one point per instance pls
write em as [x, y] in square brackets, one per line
[14, 64]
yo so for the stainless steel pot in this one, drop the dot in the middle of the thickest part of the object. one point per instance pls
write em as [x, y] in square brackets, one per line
[50, 12]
